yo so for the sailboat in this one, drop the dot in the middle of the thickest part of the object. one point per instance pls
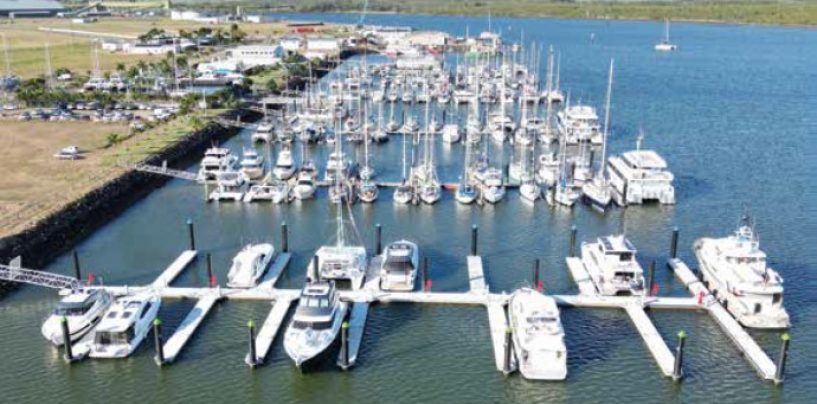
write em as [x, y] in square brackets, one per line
[404, 193]
[529, 189]
[367, 171]
[562, 193]
[392, 126]
[597, 192]
[665, 45]
[430, 191]
[380, 135]
[304, 187]
[466, 193]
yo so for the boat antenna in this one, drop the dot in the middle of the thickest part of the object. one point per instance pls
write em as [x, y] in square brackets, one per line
[606, 121]
[639, 139]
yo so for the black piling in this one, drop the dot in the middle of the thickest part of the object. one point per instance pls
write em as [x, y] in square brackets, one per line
[573, 233]
[536, 273]
[77, 271]
[651, 279]
[284, 237]
[344, 345]
[426, 279]
[508, 348]
[210, 278]
[781, 361]
[673, 249]
[378, 232]
[157, 340]
[190, 234]
[677, 371]
[252, 360]
[66, 340]
[474, 236]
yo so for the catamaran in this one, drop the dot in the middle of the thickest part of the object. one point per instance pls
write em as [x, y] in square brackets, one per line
[640, 175]
[734, 268]
[346, 258]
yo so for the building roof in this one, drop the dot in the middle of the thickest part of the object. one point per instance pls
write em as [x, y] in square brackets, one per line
[29, 5]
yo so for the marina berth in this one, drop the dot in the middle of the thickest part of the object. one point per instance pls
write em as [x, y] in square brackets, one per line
[81, 309]
[315, 326]
[538, 336]
[125, 326]
[611, 263]
[735, 269]
[638, 176]
[249, 265]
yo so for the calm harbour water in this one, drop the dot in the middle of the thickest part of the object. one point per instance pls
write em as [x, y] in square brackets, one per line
[732, 112]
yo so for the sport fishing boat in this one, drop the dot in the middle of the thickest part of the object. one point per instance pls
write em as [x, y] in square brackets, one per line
[252, 165]
[398, 269]
[538, 336]
[249, 265]
[83, 309]
[734, 268]
[315, 326]
[125, 326]
[612, 266]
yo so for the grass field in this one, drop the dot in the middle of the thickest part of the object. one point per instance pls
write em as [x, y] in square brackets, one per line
[35, 184]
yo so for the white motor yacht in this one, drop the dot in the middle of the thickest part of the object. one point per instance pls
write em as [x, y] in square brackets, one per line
[83, 309]
[734, 268]
[398, 268]
[451, 133]
[264, 132]
[493, 188]
[249, 265]
[538, 336]
[252, 165]
[125, 326]
[315, 325]
[284, 165]
[548, 172]
[216, 160]
[579, 123]
[304, 187]
[612, 266]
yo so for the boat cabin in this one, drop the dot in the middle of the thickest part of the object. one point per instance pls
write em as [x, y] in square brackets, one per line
[316, 307]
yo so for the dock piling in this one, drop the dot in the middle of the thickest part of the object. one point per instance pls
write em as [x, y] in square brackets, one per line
[426, 279]
[344, 345]
[651, 278]
[673, 250]
[677, 371]
[474, 236]
[284, 237]
[573, 233]
[157, 340]
[536, 275]
[190, 234]
[781, 361]
[508, 346]
[77, 271]
[378, 247]
[253, 359]
[211, 280]
[66, 340]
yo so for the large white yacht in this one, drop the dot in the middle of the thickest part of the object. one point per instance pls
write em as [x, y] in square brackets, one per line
[538, 335]
[83, 309]
[734, 268]
[125, 326]
[285, 165]
[216, 160]
[638, 176]
[315, 325]
[612, 266]
[398, 269]
[252, 165]
[249, 265]
[579, 123]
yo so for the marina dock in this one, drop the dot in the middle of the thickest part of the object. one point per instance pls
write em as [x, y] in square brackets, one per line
[580, 276]
[476, 276]
[744, 342]
[498, 324]
[652, 339]
[172, 272]
[185, 331]
[269, 330]
[357, 324]
[275, 270]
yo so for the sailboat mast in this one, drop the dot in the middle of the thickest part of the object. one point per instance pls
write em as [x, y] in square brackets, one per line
[606, 120]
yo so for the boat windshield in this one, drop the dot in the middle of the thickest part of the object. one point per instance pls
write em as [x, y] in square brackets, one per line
[399, 266]
[114, 337]
[73, 308]
[314, 325]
